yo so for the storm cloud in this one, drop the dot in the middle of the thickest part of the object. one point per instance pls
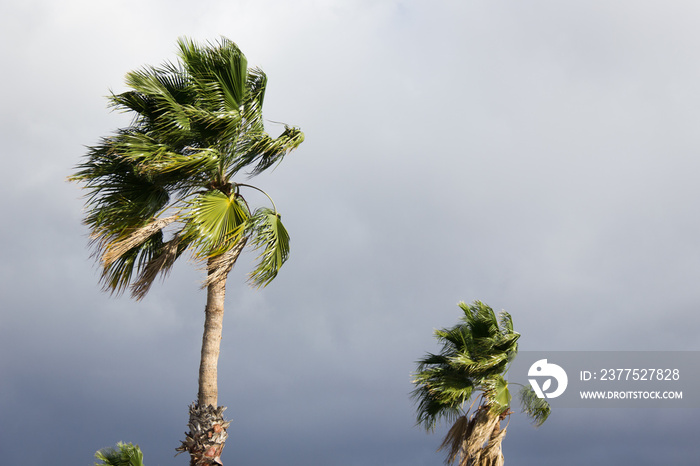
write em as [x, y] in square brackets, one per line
[539, 156]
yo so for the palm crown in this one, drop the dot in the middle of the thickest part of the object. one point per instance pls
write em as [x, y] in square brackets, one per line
[126, 454]
[475, 355]
[197, 125]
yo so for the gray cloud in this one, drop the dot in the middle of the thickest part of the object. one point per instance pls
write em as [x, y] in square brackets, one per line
[538, 156]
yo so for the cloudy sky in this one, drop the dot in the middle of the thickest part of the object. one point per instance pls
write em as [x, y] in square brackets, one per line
[541, 156]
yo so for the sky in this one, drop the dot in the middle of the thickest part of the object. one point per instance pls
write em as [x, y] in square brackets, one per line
[540, 156]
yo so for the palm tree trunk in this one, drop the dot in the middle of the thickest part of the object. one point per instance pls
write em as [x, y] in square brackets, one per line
[211, 340]
[207, 436]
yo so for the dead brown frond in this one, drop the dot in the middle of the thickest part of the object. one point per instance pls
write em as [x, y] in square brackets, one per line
[484, 422]
[491, 454]
[162, 263]
[471, 441]
[115, 250]
[219, 266]
[455, 439]
[493, 451]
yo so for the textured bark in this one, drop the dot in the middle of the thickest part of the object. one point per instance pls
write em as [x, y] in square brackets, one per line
[218, 269]
[207, 436]
[211, 340]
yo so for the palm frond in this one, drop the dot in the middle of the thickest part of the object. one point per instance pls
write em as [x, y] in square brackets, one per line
[215, 222]
[257, 85]
[118, 196]
[506, 322]
[481, 365]
[264, 152]
[447, 383]
[116, 249]
[220, 63]
[441, 390]
[168, 114]
[498, 394]
[537, 408]
[117, 276]
[153, 158]
[431, 360]
[431, 409]
[456, 439]
[483, 423]
[455, 339]
[269, 236]
[480, 319]
[160, 264]
[491, 454]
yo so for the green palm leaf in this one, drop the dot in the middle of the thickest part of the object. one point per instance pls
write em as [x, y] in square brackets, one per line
[431, 408]
[264, 152]
[164, 92]
[117, 274]
[152, 158]
[216, 222]
[119, 197]
[498, 394]
[270, 236]
[537, 408]
[221, 68]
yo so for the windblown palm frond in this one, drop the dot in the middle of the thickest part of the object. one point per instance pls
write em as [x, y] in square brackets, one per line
[272, 238]
[537, 408]
[216, 222]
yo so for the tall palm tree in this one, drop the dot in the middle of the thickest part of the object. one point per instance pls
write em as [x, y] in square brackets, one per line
[474, 357]
[167, 184]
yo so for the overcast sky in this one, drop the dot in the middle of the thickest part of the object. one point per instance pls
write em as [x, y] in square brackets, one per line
[541, 156]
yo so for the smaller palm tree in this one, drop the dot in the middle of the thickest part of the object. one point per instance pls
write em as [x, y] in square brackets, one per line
[126, 454]
[475, 355]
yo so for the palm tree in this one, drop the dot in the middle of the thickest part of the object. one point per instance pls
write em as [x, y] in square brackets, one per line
[165, 185]
[474, 357]
[126, 454]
